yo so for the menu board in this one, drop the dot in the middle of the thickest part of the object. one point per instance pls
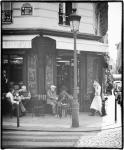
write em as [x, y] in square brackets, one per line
[32, 74]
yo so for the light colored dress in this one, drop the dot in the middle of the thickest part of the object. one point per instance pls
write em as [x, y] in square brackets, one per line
[97, 101]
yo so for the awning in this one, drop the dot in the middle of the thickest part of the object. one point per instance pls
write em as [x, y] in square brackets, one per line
[17, 41]
[81, 44]
[25, 41]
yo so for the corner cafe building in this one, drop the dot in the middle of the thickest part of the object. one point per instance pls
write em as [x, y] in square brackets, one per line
[47, 57]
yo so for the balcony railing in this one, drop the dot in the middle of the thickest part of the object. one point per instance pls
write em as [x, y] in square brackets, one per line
[6, 16]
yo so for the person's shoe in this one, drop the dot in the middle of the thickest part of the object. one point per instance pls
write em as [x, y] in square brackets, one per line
[91, 114]
[23, 114]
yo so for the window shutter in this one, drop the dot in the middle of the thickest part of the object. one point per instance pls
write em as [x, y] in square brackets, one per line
[60, 13]
[65, 9]
[68, 12]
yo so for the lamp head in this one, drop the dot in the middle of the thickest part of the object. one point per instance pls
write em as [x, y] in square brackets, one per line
[74, 21]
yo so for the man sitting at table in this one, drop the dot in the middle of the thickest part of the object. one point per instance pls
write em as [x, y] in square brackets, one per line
[52, 98]
[25, 95]
[14, 100]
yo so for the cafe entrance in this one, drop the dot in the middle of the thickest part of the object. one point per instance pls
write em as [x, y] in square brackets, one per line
[65, 70]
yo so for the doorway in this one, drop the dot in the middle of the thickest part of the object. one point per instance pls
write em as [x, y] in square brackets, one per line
[65, 70]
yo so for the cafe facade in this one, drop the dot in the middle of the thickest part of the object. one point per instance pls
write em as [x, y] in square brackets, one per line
[38, 46]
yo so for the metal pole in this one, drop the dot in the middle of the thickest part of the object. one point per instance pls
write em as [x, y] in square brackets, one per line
[75, 105]
[75, 67]
[115, 109]
[18, 114]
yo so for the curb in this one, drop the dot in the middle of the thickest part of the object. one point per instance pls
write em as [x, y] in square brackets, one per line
[50, 129]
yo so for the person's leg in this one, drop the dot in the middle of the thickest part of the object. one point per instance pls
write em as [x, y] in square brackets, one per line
[54, 108]
[60, 111]
[22, 108]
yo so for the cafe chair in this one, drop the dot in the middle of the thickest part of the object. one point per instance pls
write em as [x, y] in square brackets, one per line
[63, 109]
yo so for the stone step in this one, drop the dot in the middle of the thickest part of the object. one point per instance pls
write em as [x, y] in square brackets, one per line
[21, 139]
[38, 133]
[22, 144]
[46, 138]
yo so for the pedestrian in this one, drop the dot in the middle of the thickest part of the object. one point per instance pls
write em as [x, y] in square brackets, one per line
[96, 105]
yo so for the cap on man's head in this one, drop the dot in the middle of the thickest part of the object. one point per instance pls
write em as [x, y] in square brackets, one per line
[23, 87]
[53, 86]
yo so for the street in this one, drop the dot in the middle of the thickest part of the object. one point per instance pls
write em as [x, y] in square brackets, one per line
[110, 138]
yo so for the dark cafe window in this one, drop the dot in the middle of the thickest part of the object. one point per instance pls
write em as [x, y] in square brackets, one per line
[26, 9]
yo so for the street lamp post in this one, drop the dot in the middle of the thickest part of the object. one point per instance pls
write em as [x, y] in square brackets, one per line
[74, 24]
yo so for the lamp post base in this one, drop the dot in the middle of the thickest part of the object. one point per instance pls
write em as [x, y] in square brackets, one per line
[75, 114]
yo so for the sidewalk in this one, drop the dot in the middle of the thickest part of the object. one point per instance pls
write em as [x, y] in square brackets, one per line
[52, 123]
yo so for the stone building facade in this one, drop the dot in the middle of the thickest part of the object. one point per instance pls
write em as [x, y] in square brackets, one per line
[37, 46]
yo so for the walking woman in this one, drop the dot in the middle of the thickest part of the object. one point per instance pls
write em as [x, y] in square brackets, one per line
[96, 105]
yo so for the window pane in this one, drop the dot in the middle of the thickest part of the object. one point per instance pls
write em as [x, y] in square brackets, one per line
[6, 5]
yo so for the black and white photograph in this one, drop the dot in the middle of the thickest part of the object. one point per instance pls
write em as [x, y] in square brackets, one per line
[61, 74]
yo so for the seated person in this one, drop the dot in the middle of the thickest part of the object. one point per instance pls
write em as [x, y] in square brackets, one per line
[14, 101]
[64, 96]
[64, 99]
[10, 99]
[24, 94]
[52, 98]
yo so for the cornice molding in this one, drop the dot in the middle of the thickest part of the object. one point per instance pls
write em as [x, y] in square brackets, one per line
[49, 32]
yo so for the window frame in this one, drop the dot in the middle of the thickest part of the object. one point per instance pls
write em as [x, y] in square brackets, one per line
[62, 14]
[6, 12]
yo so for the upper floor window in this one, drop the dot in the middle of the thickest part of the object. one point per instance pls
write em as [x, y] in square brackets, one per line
[26, 9]
[6, 12]
[102, 18]
[65, 9]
